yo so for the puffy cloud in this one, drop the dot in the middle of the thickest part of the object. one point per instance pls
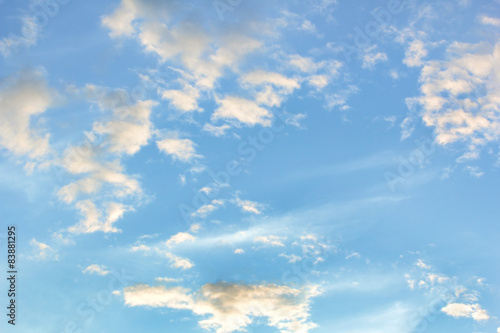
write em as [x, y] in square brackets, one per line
[460, 96]
[239, 251]
[129, 130]
[232, 307]
[371, 59]
[178, 262]
[353, 255]
[30, 31]
[305, 64]
[271, 87]
[205, 210]
[270, 240]
[180, 237]
[42, 251]
[216, 130]
[242, 110]
[93, 219]
[422, 264]
[249, 206]
[167, 279]
[126, 128]
[339, 99]
[260, 77]
[96, 269]
[181, 149]
[186, 42]
[414, 54]
[24, 96]
[292, 258]
[473, 311]
[318, 81]
[490, 20]
[184, 100]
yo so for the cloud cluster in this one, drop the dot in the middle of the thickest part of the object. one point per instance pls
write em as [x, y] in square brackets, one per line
[473, 311]
[460, 95]
[23, 97]
[96, 163]
[232, 307]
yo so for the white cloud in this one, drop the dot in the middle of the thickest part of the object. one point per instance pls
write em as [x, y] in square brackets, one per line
[260, 77]
[205, 210]
[422, 265]
[270, 240]
[167, 279]
[243, 111]
[474, 171]
[437, 278]
[184, 100]
[249, 206]
[178, 262]
[371, 59]
[473, 311]
[353, 255]
[232, 307]
[216, 130]
[415, 53]
[42, 251]
[308, 26]
[140, 248]
[239, 251]
[93, 219]
[318, 81]
[460, 95]
[292, 258]
[27, 37]
[195, 227]
[490, 20]
[24, 96]
[96, 269]
[126, 128]
[120, 22]
[180, 237]
[271, 88]
[181, 149]
[305, 64]
[339, 99]
[130, 128]
[187, 43]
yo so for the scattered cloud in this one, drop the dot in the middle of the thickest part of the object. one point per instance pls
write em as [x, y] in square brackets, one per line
[371, 59]
[488, 20]
[415, 53]
[42, 251]
[167, 279]
[179, 238]
[242, 111]
[96, 220]
[181, 149]
[473, 311]
[353, 255]
[232, 307]
[270, 240]
[96, 269]
[249, 206]
[207, 209]
[23, 97]
[460, 95]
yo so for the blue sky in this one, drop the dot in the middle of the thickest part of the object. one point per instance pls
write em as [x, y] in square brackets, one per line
[252, 166]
